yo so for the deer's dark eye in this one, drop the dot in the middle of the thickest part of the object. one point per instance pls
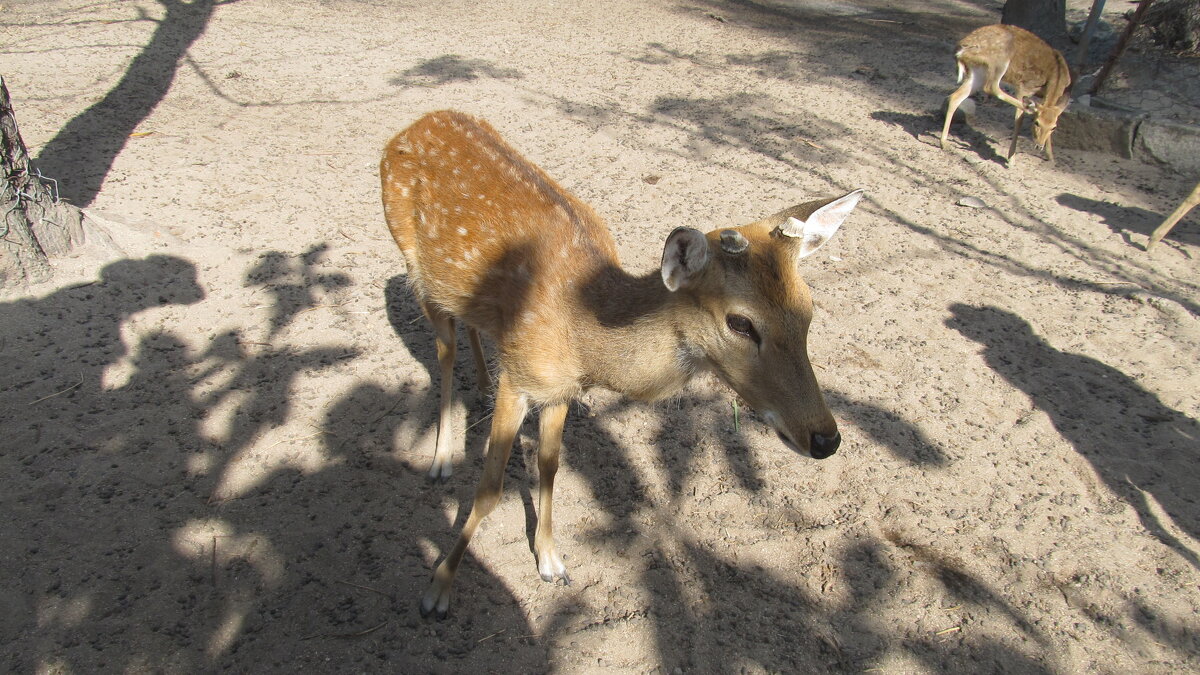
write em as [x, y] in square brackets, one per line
[742, 326]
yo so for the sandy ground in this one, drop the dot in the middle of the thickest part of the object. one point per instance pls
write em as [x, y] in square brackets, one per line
[215, 442]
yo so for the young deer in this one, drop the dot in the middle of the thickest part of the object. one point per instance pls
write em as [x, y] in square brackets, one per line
[1186, 205]
[1003, 53]
[493, 241]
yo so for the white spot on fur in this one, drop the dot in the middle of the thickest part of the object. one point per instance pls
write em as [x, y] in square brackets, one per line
[462, 231]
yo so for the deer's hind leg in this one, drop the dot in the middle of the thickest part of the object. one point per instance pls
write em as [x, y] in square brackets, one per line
[443, 326]
[992, 86]
[483, 379]
[971, 80]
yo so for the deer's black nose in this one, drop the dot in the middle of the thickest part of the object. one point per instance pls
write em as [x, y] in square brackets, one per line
[824, 446]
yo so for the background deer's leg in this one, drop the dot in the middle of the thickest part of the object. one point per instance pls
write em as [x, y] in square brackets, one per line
[550, 564]
[994, 76]
[443, 454]
[506, 420]
[955, 99]
[1012, 146]
[1161, 231]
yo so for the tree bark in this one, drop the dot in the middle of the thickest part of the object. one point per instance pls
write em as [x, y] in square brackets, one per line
[1175, 24]
[35, 225]
[1045, 18]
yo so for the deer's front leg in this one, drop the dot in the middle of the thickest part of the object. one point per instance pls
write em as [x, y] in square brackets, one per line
[1012, 145]
[550, 564]
[510, 412]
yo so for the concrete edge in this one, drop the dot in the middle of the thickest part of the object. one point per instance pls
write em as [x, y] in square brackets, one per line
[1092, 124]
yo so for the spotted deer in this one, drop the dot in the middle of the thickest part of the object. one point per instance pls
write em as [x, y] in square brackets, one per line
[999, 53]
[489, 239]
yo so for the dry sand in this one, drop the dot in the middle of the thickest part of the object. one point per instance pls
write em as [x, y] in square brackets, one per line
[215, 441]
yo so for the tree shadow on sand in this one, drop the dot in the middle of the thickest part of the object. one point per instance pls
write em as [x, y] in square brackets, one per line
[1123, 220]
[82, 153]
[121, 558]
[711, 613]
[1144, 450]
[451, 68]
[928, 129]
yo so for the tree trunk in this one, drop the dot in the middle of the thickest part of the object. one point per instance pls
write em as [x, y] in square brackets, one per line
[1045, 18]
[35, 223]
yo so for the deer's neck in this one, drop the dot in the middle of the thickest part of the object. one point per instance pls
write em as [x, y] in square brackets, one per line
[632, 340]
[1059, 80]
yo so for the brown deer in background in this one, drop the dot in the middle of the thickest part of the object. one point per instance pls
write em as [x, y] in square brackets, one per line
[1001, 53]
[491, 240]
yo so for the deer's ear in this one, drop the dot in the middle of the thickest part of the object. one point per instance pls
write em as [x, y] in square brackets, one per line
[684, 258]
[815, 230]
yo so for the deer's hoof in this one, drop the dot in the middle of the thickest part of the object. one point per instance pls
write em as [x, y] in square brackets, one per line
[435, 602]
[441, 471]
[552, 569]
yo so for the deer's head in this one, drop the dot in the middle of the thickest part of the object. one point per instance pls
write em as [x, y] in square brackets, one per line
[1046, 119]
[752, 311]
